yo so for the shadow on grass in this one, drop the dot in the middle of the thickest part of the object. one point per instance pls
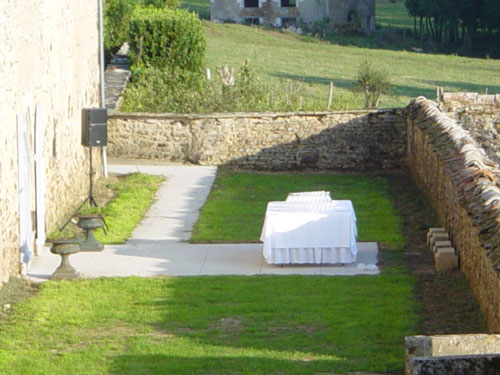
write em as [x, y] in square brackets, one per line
[344, 83]
[465, 86]
[396, 89]
[166, 364]
[274, 325]
[404, 39]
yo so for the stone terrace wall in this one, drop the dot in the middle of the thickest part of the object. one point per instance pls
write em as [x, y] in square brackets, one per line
[464, 188]
[355, 140]
[48, 55]
[479, 114]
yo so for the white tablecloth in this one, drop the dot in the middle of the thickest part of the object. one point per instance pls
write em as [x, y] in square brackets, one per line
[310, 231]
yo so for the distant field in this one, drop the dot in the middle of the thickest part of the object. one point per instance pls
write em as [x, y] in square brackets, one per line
[392, 14]
[200, 7]
[276, 55]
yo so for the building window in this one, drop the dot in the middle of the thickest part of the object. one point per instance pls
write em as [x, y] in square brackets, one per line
[288, 21]
[252, 21]
[251, 3]
[288, 3]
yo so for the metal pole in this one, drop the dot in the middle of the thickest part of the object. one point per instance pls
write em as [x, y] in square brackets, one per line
[101, 73]
[92, 200]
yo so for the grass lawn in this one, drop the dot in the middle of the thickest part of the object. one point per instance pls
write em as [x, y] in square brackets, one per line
[283, 57]
[200, 7]
[227, 325]
[235, 208]
[277, 55]
[392, 14]
[132, 197]
[211, 325]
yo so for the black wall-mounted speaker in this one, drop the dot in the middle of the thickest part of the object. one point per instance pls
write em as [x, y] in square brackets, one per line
[94, 127]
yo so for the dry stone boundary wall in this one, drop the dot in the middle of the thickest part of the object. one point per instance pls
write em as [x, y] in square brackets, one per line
[463, 185]
[355, 140]
[479, 114]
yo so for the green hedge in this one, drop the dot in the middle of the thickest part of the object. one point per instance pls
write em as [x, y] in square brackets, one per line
[117, 15]
[167, 38]
[116, 20]
[161, 3]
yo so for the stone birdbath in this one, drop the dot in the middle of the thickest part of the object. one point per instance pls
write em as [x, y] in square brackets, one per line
[65, 247]
[89, 223]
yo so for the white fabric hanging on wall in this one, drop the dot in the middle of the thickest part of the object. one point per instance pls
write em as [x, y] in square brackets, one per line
[25, 231]
[39, 179]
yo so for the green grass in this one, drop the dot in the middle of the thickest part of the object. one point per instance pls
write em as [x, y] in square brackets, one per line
[200, 7]
[211, 325]
[235, 208]
[227, 325]
[276, 55]
[392, 14]
[134, 195]
[123, 213]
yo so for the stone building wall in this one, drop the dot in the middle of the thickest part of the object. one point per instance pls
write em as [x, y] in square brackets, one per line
[354, 140]
[463, 185]
[49, 56]
[342, 13]
[479, 114]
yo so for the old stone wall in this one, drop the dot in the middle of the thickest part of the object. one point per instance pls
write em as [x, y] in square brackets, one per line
[357, 13]
[463, 185]
[48, 56]
[355, 140]
[479, 114]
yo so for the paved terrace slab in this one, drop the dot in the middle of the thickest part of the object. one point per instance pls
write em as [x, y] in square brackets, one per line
[158, 245]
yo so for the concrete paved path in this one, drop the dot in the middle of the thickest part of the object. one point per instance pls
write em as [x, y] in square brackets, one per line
[158, 246]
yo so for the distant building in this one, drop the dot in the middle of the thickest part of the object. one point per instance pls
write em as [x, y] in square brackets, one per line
[359, 14]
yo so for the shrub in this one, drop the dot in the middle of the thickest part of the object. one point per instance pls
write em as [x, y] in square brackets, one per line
[161, 3]
[156, 90]
[179, 91]
[116, 15]
[167, 39]
[373, 83]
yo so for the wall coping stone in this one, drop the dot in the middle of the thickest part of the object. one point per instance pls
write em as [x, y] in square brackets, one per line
[228, 115]
[431, 354]
[466, 364]
[471, 98]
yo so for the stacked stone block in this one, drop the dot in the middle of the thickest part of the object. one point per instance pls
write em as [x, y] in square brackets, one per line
[445, 257]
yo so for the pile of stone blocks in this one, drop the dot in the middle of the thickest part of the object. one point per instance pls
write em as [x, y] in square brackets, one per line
[469, 354]
[445, 256]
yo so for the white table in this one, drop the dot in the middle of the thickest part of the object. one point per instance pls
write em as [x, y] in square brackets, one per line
[313, 230]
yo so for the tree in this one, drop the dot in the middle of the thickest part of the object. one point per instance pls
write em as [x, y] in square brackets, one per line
[373, 83]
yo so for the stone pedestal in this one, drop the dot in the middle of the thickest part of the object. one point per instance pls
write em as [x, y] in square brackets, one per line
[65, 248]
